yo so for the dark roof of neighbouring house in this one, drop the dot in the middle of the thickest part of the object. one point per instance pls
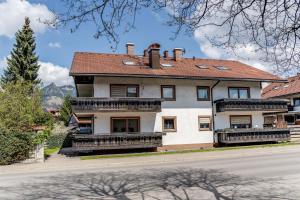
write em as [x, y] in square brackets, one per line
[113, 65]
[282, 89]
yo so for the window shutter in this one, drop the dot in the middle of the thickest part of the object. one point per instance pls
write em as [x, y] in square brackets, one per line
[204, 120]
[118, 91]
[241, 120]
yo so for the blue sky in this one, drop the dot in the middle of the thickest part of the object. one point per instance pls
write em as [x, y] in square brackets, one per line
[55, 47]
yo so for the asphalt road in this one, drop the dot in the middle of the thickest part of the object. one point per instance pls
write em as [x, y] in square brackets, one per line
[263, 173]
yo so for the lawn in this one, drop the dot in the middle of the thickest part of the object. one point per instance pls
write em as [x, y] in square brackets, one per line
[182, 151]
[48, 152]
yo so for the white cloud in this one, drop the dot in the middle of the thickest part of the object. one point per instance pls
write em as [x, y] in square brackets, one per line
[50, 72]
[245, 53]
[13, 12]
[54, 45]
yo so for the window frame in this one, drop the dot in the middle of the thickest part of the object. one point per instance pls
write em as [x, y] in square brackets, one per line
[238, 89]
[294, 101]
[210, 123]
[173, 94]
[126, 88]
[230, 119]
[208, 93]
[175, 123]
[126, 118]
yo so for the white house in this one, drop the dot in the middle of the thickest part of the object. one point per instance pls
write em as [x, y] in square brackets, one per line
[168, 102]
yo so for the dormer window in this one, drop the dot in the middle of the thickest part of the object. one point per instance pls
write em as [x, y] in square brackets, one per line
[222, 68]
[128, 62]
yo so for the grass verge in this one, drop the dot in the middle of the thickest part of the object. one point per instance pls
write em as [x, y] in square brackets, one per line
[48, 152]
[182, 151]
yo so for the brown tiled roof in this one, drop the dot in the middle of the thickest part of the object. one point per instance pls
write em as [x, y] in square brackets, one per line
[113, 65]
[282, 89]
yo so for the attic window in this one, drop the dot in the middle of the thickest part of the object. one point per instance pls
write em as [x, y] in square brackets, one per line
[128, 62]
[166, 65]
[222, 68]
[276, 88]
[285, 86]
[202, 66]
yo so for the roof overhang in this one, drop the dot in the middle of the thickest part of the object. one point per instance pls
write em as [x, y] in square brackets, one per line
[177, 77]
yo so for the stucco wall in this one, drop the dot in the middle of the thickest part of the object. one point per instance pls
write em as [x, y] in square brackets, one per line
[186, 108]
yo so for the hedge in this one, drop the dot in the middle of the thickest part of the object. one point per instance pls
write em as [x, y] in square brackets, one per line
[15, 147]
[59, 140]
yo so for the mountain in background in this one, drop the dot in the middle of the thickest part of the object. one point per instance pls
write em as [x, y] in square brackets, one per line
[53, 95]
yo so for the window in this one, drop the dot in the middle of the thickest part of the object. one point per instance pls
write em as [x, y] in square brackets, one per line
[128, 62]
[203, 93]
[202, 66]
[238, 93]
[168, 92]
[240, 121]
[222, 68]
[124, 90]
[297, 102]
[169, 124]
[125, 124]
[204, 123]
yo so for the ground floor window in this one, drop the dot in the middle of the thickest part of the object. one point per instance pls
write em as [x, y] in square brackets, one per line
[240, 121]
[290, 119]
[125, 124]
[169, 124]
[204, 123]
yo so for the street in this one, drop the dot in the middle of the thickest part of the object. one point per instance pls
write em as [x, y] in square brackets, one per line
[259, 173]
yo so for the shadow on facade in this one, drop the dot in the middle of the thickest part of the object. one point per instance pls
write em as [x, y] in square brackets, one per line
[156, 184]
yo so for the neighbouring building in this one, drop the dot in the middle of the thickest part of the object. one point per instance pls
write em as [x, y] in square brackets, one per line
[169, 102]
[289, 91]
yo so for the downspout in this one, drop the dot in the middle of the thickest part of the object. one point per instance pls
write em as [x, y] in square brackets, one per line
[212, 107]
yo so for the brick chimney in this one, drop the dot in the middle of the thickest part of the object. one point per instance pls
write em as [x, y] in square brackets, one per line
[166, 54]
[129, 48]
[177, 53]
[154, 56]
[145, 52]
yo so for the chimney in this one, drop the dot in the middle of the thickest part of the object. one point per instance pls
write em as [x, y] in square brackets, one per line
[177, 54]
[154, 56]
[166, 54]
[145, 52]
[130, 48]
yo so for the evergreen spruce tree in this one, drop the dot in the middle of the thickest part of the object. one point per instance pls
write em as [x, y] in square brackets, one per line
[66, 110]
[23, 63]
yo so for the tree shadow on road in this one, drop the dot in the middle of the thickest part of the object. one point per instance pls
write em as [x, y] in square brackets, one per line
[180, 184]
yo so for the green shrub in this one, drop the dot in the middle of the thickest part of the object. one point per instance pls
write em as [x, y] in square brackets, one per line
[15, 147]
[58, 140]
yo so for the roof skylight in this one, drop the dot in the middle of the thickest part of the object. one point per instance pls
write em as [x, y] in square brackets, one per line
[222, 68]
[166, 65]
[128, 62]
[202, 66]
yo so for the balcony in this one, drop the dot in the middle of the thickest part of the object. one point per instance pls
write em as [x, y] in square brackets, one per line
[81, 142]
[224, 105]
[235, 136]
[91, 104]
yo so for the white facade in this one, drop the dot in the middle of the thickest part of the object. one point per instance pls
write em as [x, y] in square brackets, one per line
[186, 108]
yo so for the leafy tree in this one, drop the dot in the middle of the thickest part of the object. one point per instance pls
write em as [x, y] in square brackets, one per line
[270, 28]
[23, 63]
[21, 108]
[66, 110]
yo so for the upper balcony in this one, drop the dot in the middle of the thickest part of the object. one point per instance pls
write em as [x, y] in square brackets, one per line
[92, 104]
[224, 105]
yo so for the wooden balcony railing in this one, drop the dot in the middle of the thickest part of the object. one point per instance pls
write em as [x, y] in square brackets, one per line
[223, 105]
[81, 142]
[232, 136]
[87, 104]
